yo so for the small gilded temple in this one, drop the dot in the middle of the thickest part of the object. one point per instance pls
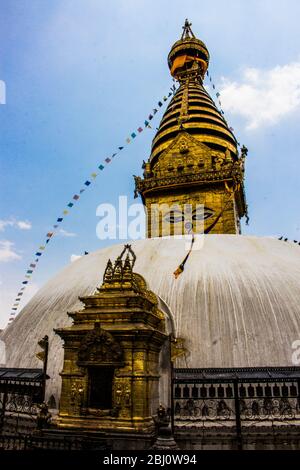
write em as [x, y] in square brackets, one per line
[190, 329]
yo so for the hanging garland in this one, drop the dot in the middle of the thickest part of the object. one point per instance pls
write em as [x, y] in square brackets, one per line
[218, 95]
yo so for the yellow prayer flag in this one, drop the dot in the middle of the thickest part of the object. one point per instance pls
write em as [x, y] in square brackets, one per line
[177, 348]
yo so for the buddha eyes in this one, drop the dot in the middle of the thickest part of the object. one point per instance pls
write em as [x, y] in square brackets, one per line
[174, 216]
[201, 213]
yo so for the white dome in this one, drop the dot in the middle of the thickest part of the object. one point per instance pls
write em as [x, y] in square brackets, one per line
[237, 303]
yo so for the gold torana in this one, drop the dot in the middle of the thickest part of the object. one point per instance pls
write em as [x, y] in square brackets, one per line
[194, 166]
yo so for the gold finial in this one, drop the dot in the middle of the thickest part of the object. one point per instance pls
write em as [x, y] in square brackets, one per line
[122, 268]
[187, 32]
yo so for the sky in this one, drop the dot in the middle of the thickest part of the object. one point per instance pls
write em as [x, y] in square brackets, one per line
[77, 77]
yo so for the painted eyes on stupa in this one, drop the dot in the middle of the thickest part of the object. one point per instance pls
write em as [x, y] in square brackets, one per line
[201, 213]
[174, 216]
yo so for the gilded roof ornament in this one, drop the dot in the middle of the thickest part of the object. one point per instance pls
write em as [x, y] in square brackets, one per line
[187, 31]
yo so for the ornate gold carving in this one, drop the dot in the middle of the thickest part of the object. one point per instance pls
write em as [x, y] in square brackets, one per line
[122, 397]
[76, 396]
[99, 347]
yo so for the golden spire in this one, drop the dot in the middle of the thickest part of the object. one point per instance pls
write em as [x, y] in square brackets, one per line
[194, 156]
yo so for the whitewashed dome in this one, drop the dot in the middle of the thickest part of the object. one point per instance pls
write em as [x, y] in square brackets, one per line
[237, 303]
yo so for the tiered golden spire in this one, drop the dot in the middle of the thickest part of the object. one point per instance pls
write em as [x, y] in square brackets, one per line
[194, 149]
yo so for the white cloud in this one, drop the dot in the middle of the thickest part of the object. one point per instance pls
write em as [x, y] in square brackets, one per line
[74, 258]
[21, 224]
[24, 224]
[6, 251]
[263, 97]
[64, 233]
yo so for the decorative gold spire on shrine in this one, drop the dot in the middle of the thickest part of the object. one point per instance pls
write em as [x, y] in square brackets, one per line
[194, 157]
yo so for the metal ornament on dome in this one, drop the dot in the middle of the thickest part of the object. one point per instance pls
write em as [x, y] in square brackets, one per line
[188, 54]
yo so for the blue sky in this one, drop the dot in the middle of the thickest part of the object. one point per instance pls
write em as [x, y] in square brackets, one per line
[81, 75]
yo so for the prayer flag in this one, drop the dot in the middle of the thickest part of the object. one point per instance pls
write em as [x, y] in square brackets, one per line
[94, 175]
[101, 167]
[75, 197]
[55, 226]
[42, 247]
[108, 160]
[25, 282]
[38, 254]
[128, 140]
[120, 148]
[217, 94]
[60, 219]
[140, 129]
[154, 111]
[65, 212]
[133, 135]
[87, 183]
[32, 265]
[160, 104]
[150, 117]
[81, 191]
[29, 271]
[49, 234]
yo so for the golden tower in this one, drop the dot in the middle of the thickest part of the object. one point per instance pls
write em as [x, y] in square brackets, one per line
[193, 178]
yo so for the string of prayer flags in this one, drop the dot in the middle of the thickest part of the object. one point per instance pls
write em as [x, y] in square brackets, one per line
[76, 197]
[218, 94]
